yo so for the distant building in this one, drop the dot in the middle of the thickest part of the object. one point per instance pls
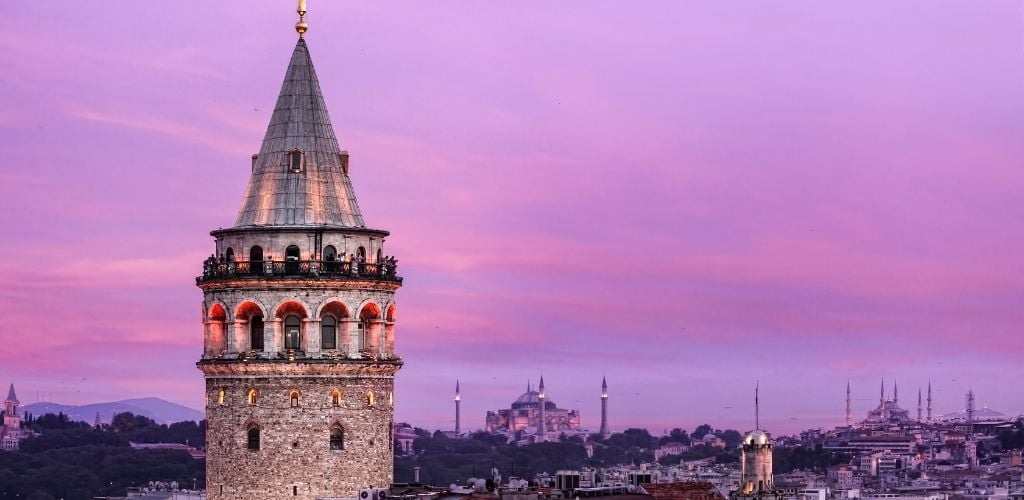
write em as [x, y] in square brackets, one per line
[756, 477]
[525, 415]
[888, 413]
[11, 433]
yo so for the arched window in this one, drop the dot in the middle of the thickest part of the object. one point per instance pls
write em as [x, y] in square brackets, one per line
[328, 333]
[292, 332]
[256, 333]
[369, 398]
[250, 397]
[291, 259]
[256, 259]
[295, 160]
[252, 440]
[220, 397]
[293, 399]
[330, 253]
[337, 438]
[335, 398]
[229, 255]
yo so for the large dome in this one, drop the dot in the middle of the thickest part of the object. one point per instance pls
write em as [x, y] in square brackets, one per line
[531, 399]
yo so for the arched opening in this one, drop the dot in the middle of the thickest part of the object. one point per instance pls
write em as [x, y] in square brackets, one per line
[389, 331]
[293, 399]
[250, 397]
[330, 259]
[292, 332]
[337, 438]
[291, 259]
[330, 322]
[292, 313]
[250, 312]
[370, 399]
[368, 327]
[328, 332]
[217, 342]
[220, 397]
[252, 437]
[256, 259]
[335, 398]
[229, 254]
[360, 260]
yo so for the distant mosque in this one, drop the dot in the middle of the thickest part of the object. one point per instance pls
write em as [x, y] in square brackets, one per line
[889, 413]
[532, 417]
[11, 433]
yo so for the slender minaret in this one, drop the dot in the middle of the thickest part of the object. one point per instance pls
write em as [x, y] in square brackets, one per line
[849, 421]
[919, 404]
[542, 427]
[970, 406]
[458, 414]
[604, 408]
[929, 401]
[881, 394]
[895, 393]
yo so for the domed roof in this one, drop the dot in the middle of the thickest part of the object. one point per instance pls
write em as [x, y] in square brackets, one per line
[756, 437]
[531, 399]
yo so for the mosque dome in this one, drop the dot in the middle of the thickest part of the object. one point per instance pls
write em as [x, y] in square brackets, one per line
[531, 399]
[756, 437]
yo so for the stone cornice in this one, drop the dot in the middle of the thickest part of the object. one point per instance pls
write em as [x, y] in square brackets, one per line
[306, 368]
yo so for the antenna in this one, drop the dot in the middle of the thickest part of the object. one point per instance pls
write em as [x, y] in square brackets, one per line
[757, 406]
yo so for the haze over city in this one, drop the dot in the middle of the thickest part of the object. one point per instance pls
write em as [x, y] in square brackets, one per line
[684, 198]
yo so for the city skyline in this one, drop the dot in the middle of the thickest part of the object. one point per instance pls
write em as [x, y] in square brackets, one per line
[595, 202]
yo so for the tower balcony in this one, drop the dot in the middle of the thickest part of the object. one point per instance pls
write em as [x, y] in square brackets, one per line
[214, 270]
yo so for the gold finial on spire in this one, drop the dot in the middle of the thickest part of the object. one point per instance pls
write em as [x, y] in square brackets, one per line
[301, 26]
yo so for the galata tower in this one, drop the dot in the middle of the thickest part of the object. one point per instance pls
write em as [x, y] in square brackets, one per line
[299, 319]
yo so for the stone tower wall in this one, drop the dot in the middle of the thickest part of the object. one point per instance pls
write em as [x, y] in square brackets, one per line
[295, 459]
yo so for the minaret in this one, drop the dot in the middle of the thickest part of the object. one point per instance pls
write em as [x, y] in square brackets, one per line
[458, 415]
[849, 421]
[929, 401]
[881, 394]
[542, 427]
[895, 393]
[298, 317]
[919, 404]
[96, 424]
[604, 408]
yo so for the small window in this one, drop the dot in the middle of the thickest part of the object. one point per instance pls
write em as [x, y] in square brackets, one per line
[369, 398]
[295, 160]
[335, 398]
[250, 397]
[329, 333]
[337, 438]
[253, 438]
[330, 253]
[220, 397]
[293, 399]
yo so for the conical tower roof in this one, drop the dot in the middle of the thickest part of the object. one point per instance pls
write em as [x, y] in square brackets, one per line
[318, 192]
[11, 396]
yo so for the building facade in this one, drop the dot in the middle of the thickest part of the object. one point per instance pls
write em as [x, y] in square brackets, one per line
[299, 319]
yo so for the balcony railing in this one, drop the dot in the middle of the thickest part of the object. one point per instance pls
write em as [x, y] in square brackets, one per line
[334, 269]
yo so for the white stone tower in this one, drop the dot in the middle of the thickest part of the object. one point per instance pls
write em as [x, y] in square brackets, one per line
[604, 408]
[299, 319]
[756, 477]
[12, 420]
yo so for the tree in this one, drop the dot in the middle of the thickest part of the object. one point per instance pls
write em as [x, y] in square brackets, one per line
[700, 432]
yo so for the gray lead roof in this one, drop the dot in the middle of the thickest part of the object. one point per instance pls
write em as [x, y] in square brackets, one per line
[321, 194]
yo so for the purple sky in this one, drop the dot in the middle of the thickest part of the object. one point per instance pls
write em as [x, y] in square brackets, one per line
[685, 196]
